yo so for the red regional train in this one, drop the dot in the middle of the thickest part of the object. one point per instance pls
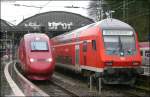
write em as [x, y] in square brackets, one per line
[36, 57]
[107, 49]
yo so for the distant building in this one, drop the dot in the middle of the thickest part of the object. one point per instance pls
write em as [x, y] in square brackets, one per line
[6, 26]
[6, 30]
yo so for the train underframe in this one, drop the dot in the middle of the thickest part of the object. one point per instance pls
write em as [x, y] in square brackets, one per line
[110, 75]
[121, 75]
[116, 75]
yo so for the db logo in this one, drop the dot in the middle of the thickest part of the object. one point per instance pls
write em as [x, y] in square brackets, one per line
[122, 58]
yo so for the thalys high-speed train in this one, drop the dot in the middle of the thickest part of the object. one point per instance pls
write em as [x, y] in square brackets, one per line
[107, 49]
[36, 57]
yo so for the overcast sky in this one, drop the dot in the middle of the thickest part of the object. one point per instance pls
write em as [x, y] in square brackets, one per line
[15, 14]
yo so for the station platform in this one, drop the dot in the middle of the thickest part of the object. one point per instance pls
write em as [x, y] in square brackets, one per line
[5, 89]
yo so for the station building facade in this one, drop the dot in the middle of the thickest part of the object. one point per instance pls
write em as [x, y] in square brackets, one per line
[53, 23]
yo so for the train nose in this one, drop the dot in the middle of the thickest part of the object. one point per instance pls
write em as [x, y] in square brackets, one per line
[41, 65]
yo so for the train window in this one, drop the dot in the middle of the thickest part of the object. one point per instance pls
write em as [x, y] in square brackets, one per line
[111, 44]
[84, 46]
[141, 53]
[39, 45]
[94, 44]
[147, 53]
[128, 43]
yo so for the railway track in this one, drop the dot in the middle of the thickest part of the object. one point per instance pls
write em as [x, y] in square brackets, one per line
[27, 87]
[58, 86]
[51, 88]
[117, 90]
[127, 91]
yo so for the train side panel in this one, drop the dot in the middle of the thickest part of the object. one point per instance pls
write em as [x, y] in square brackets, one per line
[22, 55]
[90, 50]
[108, 49]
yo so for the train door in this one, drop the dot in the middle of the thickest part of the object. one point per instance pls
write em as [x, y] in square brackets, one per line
[91, 54]
[84, 52]
[94, 53]
[77, 53]
[145, 53]
[77, 56]
[147, 57]
[147, 62]
[142, 55]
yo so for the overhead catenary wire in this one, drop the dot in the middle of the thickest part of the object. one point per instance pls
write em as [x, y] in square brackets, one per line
[121, 5]
[138, 15]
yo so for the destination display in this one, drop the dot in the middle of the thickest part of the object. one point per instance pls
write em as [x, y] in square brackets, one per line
[117, 32]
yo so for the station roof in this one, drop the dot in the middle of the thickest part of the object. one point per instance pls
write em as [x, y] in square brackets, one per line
[6, 26]
[55, 21]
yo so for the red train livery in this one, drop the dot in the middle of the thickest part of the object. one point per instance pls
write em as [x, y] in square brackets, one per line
[107, 49]
[35, 56]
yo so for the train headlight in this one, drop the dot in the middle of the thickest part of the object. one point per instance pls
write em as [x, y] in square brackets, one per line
[49, 60]
[121, 53]
[109, 63]
[32, 60]
[136, 63]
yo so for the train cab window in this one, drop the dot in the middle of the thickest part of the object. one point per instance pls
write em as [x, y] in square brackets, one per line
[119, 42]
[39, 45]
[94, 44]
[84, 46]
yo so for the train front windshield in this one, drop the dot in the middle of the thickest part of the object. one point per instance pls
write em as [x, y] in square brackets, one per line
[39, 46]
[119, 42]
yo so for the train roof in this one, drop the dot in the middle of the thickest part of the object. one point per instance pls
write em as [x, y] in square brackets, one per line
[111, 23]
[29, 35]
